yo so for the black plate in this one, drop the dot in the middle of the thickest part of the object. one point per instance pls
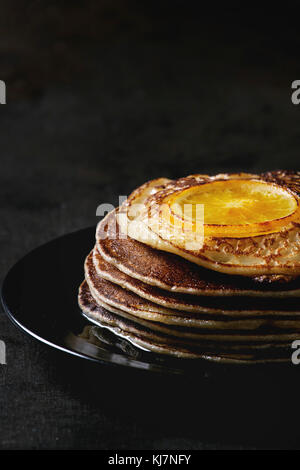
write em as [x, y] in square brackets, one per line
[39, 295]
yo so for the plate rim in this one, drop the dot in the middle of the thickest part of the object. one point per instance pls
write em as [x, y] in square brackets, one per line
[129, 363]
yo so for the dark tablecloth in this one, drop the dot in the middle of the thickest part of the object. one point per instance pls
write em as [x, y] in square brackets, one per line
[142, 103]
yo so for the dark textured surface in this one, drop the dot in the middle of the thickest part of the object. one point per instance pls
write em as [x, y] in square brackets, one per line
[94, 112]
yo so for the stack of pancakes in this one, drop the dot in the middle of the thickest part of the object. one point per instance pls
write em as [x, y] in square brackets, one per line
[234, 297]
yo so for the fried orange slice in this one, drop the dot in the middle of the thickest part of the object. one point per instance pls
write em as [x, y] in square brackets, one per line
[232, 208]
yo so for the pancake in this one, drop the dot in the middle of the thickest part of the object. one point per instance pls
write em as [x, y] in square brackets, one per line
[109, 295]
[196, 304]
[143, 337]
[174, 273]
[220, 285]
[267, 242]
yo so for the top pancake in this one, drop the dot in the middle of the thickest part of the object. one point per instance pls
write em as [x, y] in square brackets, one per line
[274, 252]
[174, 273]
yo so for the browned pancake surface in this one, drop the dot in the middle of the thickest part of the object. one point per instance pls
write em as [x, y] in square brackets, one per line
[236, 306]
[171, 272]
[153, 341]
[197, 326]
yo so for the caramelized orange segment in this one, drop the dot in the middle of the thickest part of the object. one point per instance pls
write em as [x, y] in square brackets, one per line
[234, 208]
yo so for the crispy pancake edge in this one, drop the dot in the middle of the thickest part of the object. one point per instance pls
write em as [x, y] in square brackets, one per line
[173, 273]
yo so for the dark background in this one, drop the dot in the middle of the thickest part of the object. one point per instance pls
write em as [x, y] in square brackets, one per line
[101, 96]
